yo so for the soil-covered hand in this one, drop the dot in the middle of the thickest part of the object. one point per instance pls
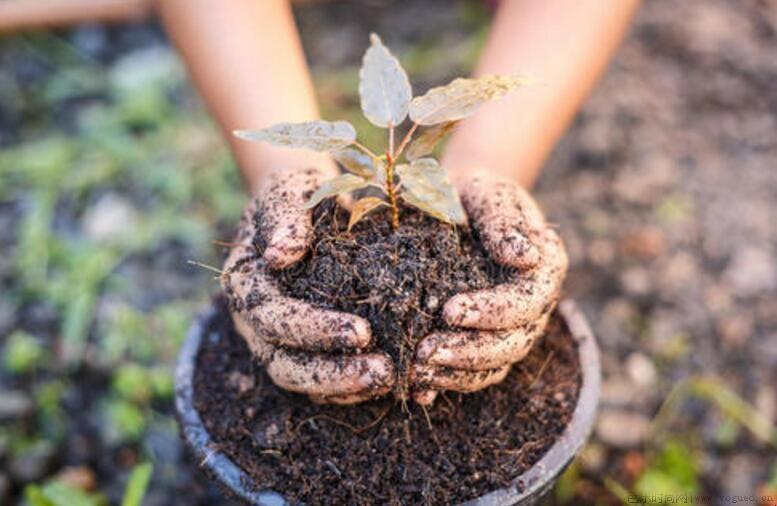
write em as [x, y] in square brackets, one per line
[502, 322]
[291, 337]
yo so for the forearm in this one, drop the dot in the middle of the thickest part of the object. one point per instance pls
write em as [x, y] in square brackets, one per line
[565, 45]
[247, 61]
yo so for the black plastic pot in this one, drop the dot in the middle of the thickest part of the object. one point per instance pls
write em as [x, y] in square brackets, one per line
[527, 489]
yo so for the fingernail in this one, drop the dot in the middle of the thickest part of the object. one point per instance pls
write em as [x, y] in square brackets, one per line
[425, 349]
[379, 373]
[458, 311]
[361, 333]
[517, 250]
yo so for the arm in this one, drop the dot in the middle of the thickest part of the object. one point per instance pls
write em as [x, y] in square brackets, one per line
[565, 45]
[248, 64]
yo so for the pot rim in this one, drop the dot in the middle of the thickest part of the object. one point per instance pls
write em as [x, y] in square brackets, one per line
[529, 486]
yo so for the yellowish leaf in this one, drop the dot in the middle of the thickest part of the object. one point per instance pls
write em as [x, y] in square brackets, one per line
[460, 98]
[427, 140]
[356, 162]
[340, 184]
[384, 88]
[317, 135]
[362, 207]
[426, 207]
[427, 187]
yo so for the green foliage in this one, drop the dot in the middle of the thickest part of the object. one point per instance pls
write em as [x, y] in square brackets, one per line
[52, 417]
[565, 488]
[137, 485]
[22, 353]
[138, 384]
[386, 100]
[60, 494]
[674, 471]
[133, 382]
[126, 421]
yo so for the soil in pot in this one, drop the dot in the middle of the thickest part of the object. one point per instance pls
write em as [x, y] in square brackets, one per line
[379, 453]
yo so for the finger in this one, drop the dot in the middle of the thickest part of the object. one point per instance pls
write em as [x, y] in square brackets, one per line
[445, 378]
[291, 322]
[284, 225]
[479, 350]
[425, 397]
[516, 304]
[326, 376]
[507, 218]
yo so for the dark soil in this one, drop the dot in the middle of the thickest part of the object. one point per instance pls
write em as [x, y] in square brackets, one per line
[376, 453]
[397, 280]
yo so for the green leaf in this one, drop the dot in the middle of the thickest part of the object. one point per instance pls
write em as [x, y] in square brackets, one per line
[356, 162]
[362, 207]
[384, 88]
[427, 187]
[460, 98]
[22, 353]
[674, 471]
[340, 184]
[35, 496]
[317, 135]
[425, 143]
[60, 494]
[137, 485]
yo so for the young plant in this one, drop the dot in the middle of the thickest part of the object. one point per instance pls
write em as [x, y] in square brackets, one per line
[387, 100]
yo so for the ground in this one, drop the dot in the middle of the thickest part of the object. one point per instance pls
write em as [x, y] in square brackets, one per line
[665, 190]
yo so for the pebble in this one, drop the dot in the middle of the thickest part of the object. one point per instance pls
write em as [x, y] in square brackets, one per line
[601, 252]
[618, 391]
[735, 330]
[622, 429]
[752, 271]
[270, 437]
[641, 370]
[110, 219]
[15, 404]
[636, 281]
[645, 242]
[593, 457]
[617, 317]
[241, 382]
[81, 478]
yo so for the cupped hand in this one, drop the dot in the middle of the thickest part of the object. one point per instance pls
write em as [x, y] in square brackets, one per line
[496, 327]
[296, 340]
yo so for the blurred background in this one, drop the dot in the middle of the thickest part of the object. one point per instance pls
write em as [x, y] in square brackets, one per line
[112, 176]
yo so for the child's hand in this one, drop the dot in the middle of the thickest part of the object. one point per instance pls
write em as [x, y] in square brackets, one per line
[507, 319]
[290, 336]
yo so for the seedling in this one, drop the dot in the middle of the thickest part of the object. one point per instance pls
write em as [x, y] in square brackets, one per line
[387, 101]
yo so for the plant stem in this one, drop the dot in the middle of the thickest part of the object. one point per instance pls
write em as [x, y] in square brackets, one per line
[364, 149]
[391, 139]
[405, 141]
[391, 191]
